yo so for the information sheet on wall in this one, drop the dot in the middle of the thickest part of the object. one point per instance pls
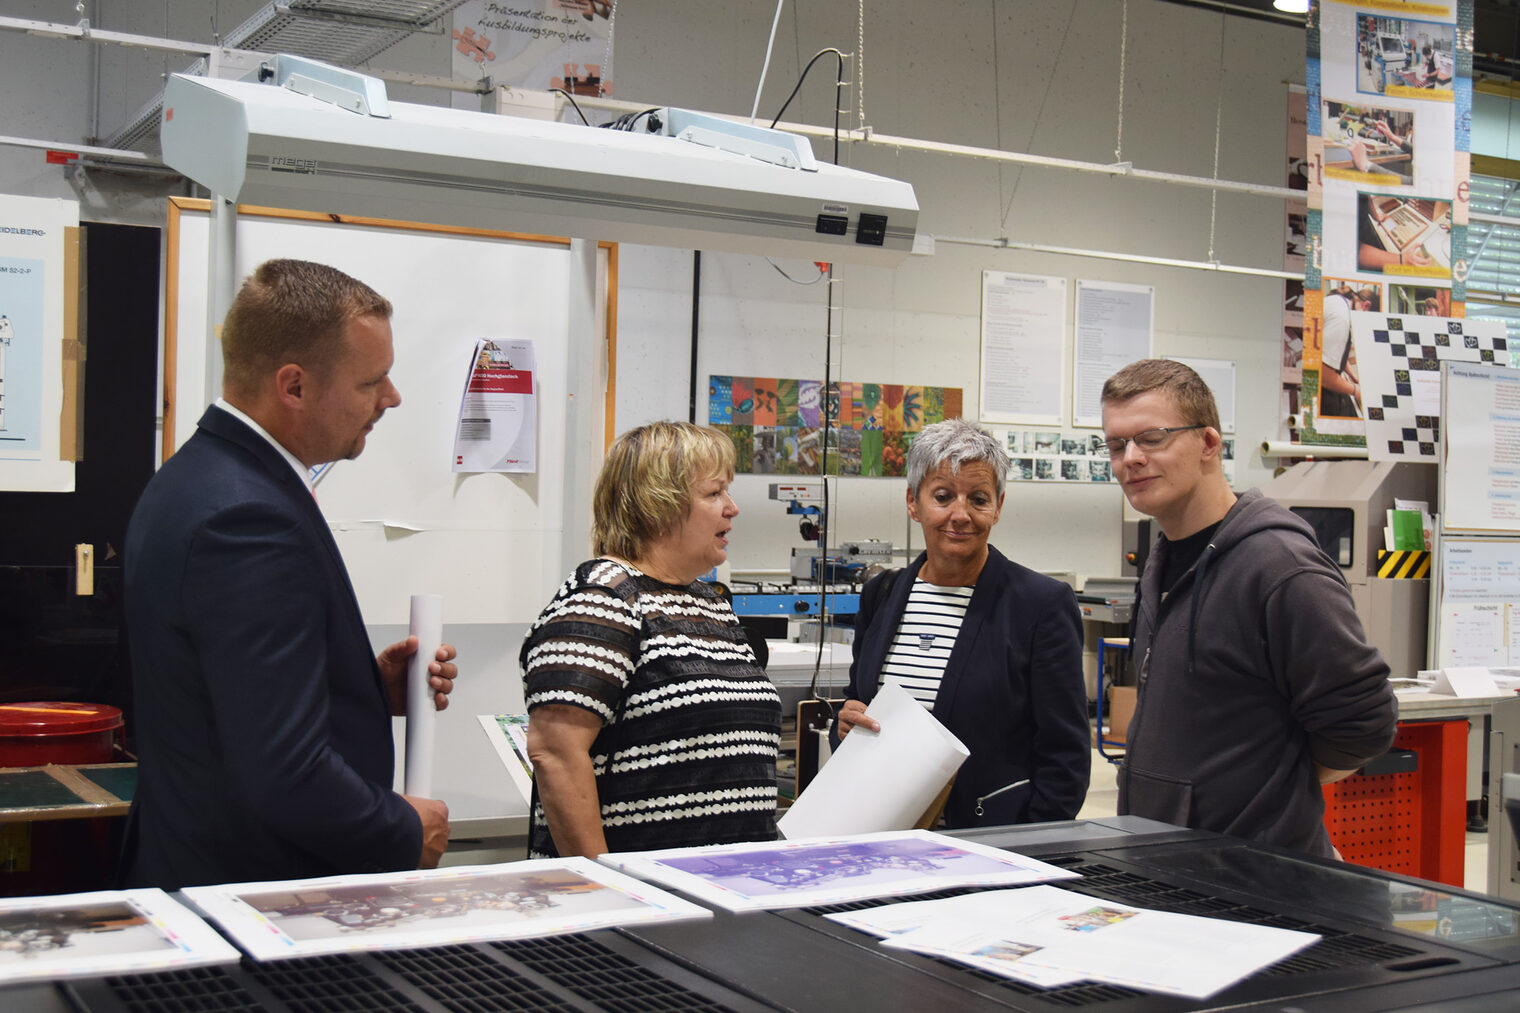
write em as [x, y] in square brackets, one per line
[1115, 325]
[1478, 622]
[1023, 340]
[498, 411]
[1480, 459]
[32, 249]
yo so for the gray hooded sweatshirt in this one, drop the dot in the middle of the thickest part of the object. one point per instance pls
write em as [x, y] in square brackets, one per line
[1251, 669]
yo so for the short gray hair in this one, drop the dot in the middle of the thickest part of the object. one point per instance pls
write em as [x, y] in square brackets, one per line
[954, 442]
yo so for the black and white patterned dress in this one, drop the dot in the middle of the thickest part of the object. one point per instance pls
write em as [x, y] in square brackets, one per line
[691, 723]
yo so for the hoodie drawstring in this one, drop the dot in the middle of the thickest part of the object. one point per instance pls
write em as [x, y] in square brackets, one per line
[1201, 570]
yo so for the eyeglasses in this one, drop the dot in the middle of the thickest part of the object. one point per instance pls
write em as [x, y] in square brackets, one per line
[1146, 439]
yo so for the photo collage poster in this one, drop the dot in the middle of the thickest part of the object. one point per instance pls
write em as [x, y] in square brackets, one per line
[1064, 455]
[1389, 122]
[777, 424]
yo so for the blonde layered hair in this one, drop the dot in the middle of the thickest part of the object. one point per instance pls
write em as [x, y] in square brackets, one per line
[644, 490]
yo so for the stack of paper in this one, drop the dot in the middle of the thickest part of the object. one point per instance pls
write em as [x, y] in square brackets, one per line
[1049, 937]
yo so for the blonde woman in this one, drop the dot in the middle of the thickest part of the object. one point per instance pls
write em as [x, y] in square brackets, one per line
[650, 723]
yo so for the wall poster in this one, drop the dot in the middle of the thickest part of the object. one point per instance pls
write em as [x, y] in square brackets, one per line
[536, 44]
[1389, 116]
[777, 424]
[34, 251]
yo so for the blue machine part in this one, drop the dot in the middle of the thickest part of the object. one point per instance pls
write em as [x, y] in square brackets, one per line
[794, 604]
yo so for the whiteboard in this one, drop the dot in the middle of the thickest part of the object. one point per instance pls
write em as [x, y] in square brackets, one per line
[489, 543]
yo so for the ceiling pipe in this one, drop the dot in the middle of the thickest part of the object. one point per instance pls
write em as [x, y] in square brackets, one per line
[1005, 243]
[84, 32]
[866, 135]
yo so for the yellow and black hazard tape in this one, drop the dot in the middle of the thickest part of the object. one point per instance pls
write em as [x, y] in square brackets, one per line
[1403, 564]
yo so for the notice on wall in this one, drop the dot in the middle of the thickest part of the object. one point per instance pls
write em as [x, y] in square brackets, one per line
[1480, 471]
[1477, 622]
[1115, 324]
[497, 428]
[33, 246]
[1023, 348]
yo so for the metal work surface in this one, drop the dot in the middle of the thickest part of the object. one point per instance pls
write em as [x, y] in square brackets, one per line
[1372, 955]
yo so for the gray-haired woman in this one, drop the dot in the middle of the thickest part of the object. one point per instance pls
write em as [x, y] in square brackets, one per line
[993, 649]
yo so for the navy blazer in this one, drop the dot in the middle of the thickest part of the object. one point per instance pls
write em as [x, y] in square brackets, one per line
[1013, 691]
[263, 728]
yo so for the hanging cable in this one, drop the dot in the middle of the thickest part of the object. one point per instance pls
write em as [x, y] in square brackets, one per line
[797, 281]
[838, 90]
[827, 399]
[754, 110]
[1039, 113]
[1123, 52]
[573, 103]
[627, 121]
[1218, 121]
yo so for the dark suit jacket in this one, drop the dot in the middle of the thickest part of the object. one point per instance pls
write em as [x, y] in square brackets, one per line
[263, 729]
[1013, 691]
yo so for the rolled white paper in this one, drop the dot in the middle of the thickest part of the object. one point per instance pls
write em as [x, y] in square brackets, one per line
[878, 781]
[1282, 448]
[421, 716]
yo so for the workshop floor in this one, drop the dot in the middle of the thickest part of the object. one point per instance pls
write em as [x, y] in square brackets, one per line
[1103, 799]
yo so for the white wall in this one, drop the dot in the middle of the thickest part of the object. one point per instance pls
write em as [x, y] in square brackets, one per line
[1029, 75]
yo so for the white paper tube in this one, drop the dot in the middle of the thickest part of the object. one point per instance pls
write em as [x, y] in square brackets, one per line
[1282, 448]
[421, 717]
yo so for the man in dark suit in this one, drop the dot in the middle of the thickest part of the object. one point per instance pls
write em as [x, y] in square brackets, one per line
[263, 720]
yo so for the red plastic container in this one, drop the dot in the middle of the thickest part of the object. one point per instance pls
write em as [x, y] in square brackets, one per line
[32, 734]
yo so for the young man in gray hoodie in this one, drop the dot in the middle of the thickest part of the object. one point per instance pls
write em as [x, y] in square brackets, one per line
[1256, 682]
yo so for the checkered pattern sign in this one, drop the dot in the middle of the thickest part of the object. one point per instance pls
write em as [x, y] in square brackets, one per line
[1399, 361]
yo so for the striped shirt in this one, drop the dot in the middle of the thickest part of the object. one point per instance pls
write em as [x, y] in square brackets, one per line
[925, 635]
[690, 723]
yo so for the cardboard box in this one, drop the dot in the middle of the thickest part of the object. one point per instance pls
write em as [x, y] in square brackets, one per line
[1120, 709]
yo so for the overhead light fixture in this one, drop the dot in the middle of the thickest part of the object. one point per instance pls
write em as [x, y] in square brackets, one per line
[329, 140]
[1292, 6]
